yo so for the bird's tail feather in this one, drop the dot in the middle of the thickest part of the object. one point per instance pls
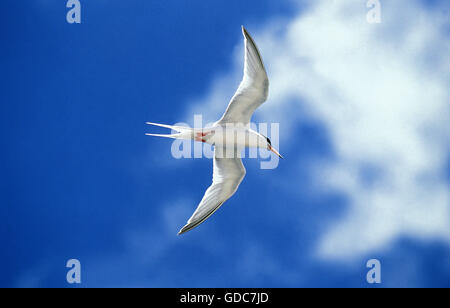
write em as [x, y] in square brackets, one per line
[174, 136]
[172, 127]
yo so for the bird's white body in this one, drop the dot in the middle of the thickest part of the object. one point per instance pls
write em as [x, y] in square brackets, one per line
[224, 135]
[230, 135]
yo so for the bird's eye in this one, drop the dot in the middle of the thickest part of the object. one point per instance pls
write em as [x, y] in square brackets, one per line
[268, 141]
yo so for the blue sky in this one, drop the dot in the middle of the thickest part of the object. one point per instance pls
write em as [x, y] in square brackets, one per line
[363, 113]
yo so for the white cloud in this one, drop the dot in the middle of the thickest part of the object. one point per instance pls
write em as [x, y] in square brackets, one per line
[381, 91]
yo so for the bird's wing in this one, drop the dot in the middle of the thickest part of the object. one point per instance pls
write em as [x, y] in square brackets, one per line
[227, 175]
[253, 89]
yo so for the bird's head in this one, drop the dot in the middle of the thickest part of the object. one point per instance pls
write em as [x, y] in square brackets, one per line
[271, 148]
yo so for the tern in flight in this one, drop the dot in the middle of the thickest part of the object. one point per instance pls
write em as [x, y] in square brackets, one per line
[230, 135]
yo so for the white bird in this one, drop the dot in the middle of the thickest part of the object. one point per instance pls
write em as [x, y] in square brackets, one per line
[230, 135]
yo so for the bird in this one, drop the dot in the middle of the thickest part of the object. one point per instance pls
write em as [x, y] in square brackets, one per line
[229, 135]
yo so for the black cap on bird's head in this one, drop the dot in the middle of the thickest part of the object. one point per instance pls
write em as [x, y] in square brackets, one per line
[270, 148]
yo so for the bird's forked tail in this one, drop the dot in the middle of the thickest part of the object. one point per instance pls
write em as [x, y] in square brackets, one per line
[181, 130]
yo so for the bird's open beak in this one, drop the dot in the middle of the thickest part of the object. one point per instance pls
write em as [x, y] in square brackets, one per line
[275, 151]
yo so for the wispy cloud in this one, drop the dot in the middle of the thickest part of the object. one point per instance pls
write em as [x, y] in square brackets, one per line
[381, 92]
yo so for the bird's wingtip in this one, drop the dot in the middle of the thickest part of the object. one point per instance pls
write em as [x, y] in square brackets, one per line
[187, 227]
[244, 31]
[183, 230]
